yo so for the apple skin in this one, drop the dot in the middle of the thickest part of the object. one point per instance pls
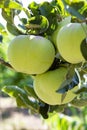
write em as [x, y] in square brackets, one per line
[45, 86]
[31, 54]
[69, 40]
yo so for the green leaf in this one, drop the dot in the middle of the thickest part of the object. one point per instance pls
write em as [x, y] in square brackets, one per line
[20, 102]
[37, 24]
[29, 89]
[1, 27]
[82, 89]
[44, 110]
[2, 3]
[77, 5]
[15, 5]
[79, 102]
[20, 24]
[34, 7]
[84, 11]
[10, 4]
[51, 13]
[56, 108]
[31, 104]
[58, 6]
[8, 15]
[73, 11]
[15, 91]
[12, 29]
[83, 48]
[46, 9]
[69, 83]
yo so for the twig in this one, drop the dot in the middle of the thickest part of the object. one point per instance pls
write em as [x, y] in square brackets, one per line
[32, 26]
[5, 63]
[82, 21]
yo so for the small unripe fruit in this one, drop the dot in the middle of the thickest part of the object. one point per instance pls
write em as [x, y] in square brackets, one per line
[31, 54]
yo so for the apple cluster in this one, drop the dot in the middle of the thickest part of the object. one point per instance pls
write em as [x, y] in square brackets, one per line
[35, 54]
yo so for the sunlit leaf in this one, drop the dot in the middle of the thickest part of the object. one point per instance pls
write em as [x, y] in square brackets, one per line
[13, 91]
[8, 15]
[34, 7]
[73, 11]
[2, 3]
[58, 4]
[77, 5]
[10, 4]
[84, 11]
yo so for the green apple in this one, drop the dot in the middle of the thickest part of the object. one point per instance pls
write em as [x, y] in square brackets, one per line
[60, 25]
[31, 54]
[69, 40]
[46, 84]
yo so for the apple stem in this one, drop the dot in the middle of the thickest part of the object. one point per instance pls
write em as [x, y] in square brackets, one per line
[5, 63]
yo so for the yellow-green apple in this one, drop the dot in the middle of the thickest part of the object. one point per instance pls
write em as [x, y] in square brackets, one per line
[46, 84]
[31, 54]
[69, 40]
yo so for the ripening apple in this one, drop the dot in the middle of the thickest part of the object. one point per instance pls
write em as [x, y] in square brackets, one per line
[69, 40]
[46, 84]
[31, 54]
